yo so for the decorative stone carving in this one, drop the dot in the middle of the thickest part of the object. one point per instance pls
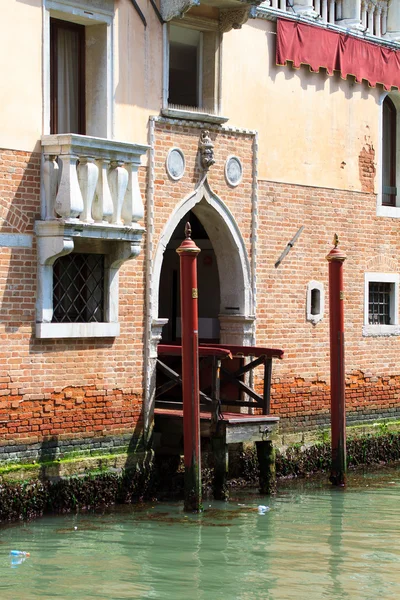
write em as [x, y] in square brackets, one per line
[170, 9]
[156, 332]
[233, 170]
[235, 18]
[206, 148]
[175, 163]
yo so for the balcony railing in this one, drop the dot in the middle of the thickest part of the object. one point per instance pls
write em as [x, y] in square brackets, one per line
[374, 17]
[91, 180]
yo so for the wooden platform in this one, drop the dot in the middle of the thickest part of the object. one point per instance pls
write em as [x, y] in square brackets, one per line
[234, 427]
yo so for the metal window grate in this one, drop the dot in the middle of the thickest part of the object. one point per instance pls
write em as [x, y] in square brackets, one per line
[379, 303]
[78, 288]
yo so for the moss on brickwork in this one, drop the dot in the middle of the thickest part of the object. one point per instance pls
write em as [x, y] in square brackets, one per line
[144, 479]
[33, 498]
[298, 460]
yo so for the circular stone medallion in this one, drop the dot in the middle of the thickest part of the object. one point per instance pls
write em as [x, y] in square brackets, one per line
[233, 170]
[175, 163]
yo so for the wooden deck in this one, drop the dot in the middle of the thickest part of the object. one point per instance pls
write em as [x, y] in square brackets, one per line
[234, 427]
[227, 406]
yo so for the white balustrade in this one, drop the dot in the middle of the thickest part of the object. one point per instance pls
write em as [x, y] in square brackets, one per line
[375, 17]
[91, 180]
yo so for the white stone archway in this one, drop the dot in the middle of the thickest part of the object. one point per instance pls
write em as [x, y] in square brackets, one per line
[236, 313]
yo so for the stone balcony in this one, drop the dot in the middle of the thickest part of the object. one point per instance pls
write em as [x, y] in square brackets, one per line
[233, 13]
[90, 180]
[90, 202]
[376, 18]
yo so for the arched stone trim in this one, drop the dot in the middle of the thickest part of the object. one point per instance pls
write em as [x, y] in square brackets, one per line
[12, 219]
[232, 259]
[380, 262]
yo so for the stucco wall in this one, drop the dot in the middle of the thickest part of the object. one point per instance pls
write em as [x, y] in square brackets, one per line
[21, 75]
[312, 127]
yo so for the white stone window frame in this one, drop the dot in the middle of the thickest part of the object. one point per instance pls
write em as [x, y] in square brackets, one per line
[381, 210]
[382, 330]
[203, 25]
[99, 117]
[57, 239]
[315, 318]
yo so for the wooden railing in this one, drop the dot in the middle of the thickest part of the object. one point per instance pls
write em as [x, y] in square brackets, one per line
[223, 370]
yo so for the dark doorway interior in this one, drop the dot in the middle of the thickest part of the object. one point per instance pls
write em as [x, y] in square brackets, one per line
[208, 285]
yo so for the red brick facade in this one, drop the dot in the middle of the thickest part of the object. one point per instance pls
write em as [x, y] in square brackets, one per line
[94, 388]
[60, 388]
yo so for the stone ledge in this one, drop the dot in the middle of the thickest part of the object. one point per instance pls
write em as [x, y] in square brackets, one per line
[76, 330]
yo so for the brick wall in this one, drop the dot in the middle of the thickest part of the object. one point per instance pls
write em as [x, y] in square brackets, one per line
[301, 384]
[71, 391]
[60, 389]
[300, 393]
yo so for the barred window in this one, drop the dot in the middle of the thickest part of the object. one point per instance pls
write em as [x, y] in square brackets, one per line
[379, 303]
[78, 288]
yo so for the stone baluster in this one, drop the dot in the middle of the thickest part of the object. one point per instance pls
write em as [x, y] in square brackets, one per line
[88, 174]
[324, 11]
[303, 7]
[384, 19]
[69, 201]
[132, 209]
[350, 13]
[331, 15]
[338, 15]
[50, 183]
[317, 6]
[378, 20]
[118, 181]
[370, 18]
[102, 205]
[363, 15]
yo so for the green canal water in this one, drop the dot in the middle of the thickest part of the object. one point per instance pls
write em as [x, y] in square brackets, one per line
[314, 542]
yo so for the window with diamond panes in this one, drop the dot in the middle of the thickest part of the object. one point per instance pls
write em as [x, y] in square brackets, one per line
[78, 288]
[379, 303]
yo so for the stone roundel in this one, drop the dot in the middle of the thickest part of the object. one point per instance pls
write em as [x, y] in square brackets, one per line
[175, 163]
[233, 170]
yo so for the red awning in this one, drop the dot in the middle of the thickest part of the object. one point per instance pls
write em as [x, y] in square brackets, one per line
[318, 47]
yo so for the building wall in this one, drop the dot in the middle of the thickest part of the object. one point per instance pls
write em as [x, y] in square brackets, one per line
[60, 389]
[317, 154]
[301, 387]
[313, 129]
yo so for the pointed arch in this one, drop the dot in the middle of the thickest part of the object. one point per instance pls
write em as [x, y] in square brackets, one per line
[227, 241]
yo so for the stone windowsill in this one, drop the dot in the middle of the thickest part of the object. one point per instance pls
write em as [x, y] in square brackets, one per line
[193, 115]
[380, 330]
[388, 211]
[76, 330]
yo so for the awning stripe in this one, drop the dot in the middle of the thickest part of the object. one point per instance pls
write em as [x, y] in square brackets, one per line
[318, 47]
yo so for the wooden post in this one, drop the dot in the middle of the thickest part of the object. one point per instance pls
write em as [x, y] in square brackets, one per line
[188, 252]
[220, 457]
[336, 259]
[267, 386]
[266, 465]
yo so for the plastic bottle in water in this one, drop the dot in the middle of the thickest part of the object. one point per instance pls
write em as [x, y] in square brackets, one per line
[19, 553]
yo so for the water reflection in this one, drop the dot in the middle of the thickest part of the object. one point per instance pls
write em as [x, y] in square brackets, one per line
[316, 542]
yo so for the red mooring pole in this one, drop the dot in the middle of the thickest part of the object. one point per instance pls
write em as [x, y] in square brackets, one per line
[188, 252]
[336, 259]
